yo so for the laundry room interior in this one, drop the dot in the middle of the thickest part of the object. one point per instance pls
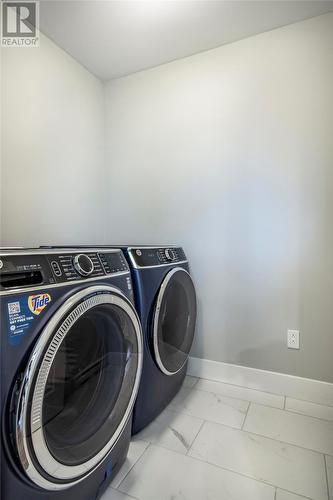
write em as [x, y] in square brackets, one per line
[166, 250]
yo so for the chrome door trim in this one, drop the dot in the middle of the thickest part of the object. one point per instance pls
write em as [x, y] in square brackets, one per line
[65, 283]
[156, 319]
[40, 364]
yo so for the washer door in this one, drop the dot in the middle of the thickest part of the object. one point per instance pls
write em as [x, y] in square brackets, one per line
[174, 321]
[79, 387]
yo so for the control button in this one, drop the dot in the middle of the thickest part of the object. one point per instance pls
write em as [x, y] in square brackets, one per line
[138, 252]
[83, 264]
[56, 268]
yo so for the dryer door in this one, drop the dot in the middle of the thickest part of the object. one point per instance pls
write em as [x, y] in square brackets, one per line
[79, 387]
[174, 321]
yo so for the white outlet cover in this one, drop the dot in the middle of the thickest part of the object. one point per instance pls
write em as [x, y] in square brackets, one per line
[293, 339]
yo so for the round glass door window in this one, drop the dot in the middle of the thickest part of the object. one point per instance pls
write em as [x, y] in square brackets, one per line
[174, 321]
[83, 390]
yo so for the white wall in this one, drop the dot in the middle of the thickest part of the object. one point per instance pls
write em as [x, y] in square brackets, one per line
[230, 154]
[52, 148]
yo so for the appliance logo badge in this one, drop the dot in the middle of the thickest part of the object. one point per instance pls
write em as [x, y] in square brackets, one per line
[38, 302]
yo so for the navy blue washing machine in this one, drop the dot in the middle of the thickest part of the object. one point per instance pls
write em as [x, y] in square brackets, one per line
[71, 361]
[166, 303]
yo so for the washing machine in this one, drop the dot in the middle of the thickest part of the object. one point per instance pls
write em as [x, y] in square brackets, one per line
[71, 361]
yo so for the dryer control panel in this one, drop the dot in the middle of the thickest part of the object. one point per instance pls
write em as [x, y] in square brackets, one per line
[21, 269]
[156, 256]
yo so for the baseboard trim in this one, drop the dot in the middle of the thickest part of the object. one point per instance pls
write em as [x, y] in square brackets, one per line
[263, 380]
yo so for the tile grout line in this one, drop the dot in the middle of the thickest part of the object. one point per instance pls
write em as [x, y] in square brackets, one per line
[316, 403]
[326, 472]
[166, 448]
[279, 441]
[245, 417]
[235, 398]
[320, 452]
[260, 390]
[197, 434]
[210, 463]
[269, 437]
[234, 429]
[267, 405]
[293, 493]
[261, 481]
[115, 489]
[311, 402]
[306, 415]
[293, 412]
[233, 471]
[136, 461]
[195, 383]
[241, 386]
[267, 483]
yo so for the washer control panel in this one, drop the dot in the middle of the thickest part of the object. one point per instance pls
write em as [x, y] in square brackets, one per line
[156, 256]
[75, 266]
[20, 270]
[113, 262]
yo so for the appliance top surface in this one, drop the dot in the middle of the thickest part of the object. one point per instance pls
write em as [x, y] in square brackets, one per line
[121, 246]
[54, 249]
[151, 246]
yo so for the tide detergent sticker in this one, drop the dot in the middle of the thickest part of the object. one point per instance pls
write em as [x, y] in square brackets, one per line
[22, 312]
[37, 303]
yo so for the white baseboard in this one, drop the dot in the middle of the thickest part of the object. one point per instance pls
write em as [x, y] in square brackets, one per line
[263, 380]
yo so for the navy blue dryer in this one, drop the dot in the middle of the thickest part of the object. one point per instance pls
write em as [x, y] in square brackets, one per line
[166, 303]
[71, 360]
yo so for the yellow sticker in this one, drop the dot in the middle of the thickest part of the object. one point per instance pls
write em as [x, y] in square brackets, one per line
[38, 302]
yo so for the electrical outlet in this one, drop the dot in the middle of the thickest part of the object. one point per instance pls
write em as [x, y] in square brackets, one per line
[293, 339]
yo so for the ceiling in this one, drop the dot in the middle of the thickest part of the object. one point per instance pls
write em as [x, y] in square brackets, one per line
[113, 38]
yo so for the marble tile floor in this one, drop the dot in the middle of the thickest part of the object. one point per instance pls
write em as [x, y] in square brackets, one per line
[217, 441]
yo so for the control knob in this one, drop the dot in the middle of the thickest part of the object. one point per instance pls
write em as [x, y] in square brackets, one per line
[170, 254]
[83, 264]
